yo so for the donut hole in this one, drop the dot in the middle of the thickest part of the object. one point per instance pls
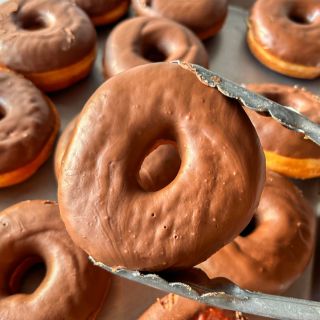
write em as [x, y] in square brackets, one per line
[27, 276]
[160, 166]
[300, 17]
[2, 113]
[147, 3]
[153, 52]
[34, 21]
[250, 228]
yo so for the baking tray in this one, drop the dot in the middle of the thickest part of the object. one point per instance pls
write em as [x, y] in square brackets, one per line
[230, 57]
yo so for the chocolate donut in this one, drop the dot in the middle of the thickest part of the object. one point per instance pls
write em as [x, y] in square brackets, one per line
[39, 40]
[174, 307]
[143, 40]
[32, 232]
[284, 36]
[275, 248]
[104, 11]
[192, 217]
[287, 151]
[29, 124]
[204, 17]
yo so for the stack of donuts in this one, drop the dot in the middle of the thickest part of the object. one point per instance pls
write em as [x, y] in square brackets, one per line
[158, 172]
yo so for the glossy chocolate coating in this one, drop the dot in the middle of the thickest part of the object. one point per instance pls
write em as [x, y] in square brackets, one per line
[210, 201]
[27, 121]
[279, 248]
[98, 7]
[199, 15]
[40, 36]
[158, 169]
[72, 287]
[276, 138]
[134, 41]
[288, 29]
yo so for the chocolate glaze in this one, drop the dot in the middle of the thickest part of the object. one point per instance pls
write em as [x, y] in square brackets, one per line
[279, 248]
[98, 7]
[62, 145]
[27, 121]
[174, 307]
[72, 288]
[58, 41]
[194, 215]
[158, 169]
[276, 138]
[288, 29]
[198, 16]
[130, 43]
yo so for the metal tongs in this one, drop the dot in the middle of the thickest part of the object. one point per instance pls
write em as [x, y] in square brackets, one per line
[221, 292]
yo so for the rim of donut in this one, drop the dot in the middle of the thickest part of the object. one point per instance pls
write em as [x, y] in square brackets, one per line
[293, 167]
[173, 306]
[111, 16]
[62, 145]
[276, 64]
[64, 77]
[21, 174]
[205, 34]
